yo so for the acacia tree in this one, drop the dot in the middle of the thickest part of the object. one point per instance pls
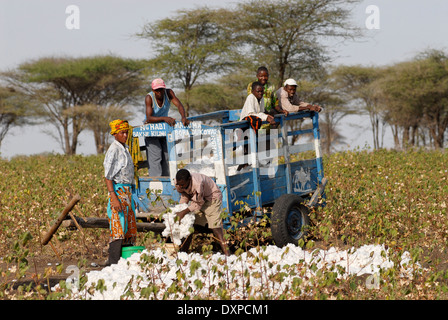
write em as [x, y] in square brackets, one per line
[97, 118]
[189, 47]
[227, 92]
[417, 94]
[64, 86]
[359, 83]
[402, 113]
[433, 93]
[326, 93]
[15, 110]
[287, 33]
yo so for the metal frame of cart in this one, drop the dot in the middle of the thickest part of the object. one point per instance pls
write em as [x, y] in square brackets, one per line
[286, 176]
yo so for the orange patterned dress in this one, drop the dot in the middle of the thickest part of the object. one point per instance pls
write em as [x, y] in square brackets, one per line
[122, 224]
[119, 168]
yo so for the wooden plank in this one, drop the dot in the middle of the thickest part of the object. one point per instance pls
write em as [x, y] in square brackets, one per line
[61, 218]
[148, 215]
[103, 223]
[319, 191]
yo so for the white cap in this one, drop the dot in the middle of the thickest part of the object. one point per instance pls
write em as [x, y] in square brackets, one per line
[290, 82]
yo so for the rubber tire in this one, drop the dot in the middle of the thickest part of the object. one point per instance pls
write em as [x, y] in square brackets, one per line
[287, 211]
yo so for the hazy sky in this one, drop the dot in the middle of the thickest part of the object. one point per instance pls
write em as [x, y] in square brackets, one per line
[30, 29]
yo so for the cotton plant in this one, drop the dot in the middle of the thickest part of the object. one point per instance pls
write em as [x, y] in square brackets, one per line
[175, 229]
[264, 272]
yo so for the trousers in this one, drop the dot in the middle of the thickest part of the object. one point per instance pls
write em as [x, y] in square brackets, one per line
[157, 155]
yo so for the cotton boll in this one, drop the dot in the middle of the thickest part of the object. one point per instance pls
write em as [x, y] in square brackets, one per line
[177, 230]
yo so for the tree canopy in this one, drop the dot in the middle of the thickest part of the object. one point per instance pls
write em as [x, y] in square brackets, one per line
[416, 92]
[287, 34]
[359, 84]
[15, 110]
[189, 47]
[63, 86]
[212, 54]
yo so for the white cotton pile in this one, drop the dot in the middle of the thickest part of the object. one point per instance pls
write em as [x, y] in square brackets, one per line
[367, 259]
[115, 280]
[260, 265]
[177, 230]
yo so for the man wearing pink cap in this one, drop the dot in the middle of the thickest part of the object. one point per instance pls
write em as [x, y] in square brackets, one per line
[158, 103]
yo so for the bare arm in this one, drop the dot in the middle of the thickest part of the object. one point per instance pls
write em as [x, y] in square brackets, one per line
[175, 100]
[296, 105]
[280, 110]
[184, 198]
[114, 202]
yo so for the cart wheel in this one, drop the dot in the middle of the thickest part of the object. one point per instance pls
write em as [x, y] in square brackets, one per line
[289, 220]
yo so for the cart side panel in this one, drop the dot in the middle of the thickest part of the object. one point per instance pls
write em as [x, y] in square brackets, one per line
[241, 189]
[273, 185]
[304, 177]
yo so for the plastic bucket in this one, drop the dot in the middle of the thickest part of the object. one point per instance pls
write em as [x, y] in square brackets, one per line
[126, 252]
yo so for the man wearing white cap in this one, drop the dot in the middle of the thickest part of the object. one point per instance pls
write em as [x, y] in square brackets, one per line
[288, 99]
[158, 103]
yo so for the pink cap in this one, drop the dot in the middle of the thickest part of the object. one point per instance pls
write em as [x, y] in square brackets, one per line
[157, 84]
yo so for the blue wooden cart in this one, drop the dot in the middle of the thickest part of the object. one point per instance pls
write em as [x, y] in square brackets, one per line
[284, 173]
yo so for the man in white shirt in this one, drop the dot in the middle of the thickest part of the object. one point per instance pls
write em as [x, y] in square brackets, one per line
[288, 99]
[253, 112]
[253, 109]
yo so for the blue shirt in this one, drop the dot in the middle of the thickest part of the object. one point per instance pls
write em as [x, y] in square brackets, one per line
[160, 111]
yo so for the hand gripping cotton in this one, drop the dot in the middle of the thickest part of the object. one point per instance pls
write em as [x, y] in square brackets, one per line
[177, 230]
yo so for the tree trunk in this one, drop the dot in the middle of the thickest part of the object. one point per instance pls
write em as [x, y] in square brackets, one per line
[75, 136]
[438, 141]
[327, 129]
[374, 124]
[281, 70]
[395, 134]
[405, 139]
[187, 99]
[100, 141]
[67, 148]
[413, 135]
[441, 128]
